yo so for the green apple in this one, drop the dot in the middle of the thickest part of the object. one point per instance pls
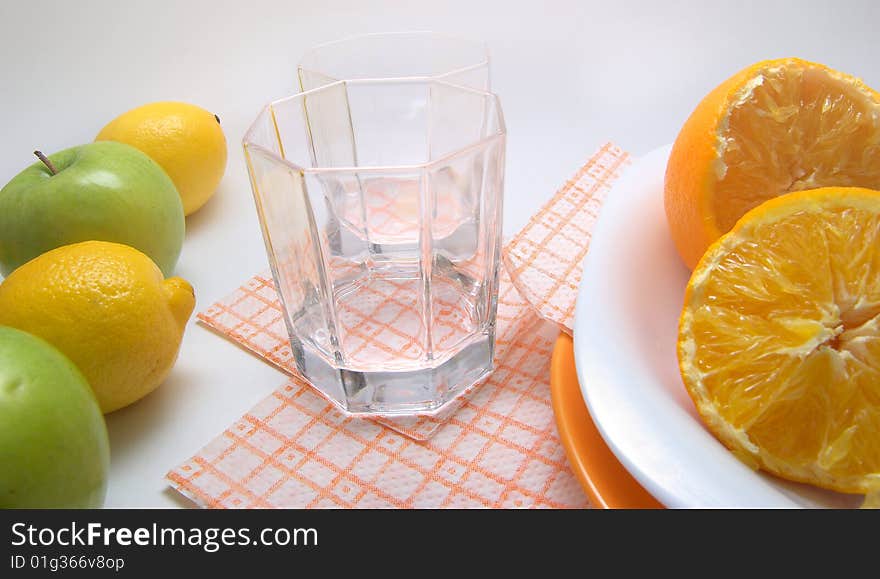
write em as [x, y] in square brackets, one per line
[54, 451]
[104, 191]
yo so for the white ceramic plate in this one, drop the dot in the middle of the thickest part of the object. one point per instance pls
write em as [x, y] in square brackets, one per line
[625, 333]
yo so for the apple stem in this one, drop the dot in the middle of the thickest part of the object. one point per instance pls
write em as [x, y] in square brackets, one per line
[217, 118]
[46, 162]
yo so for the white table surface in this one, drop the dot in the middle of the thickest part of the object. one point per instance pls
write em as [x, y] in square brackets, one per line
[570, 74]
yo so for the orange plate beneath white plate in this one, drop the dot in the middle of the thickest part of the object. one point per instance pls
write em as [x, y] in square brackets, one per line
[608, 484]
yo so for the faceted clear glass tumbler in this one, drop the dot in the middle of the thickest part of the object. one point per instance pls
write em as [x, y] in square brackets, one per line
[435, 55]
[380, 203]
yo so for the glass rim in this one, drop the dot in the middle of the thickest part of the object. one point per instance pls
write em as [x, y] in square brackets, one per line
[482, 46]
[248, 143]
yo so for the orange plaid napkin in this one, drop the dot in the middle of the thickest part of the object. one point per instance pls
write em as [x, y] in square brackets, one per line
[545, 258]
[495, 446]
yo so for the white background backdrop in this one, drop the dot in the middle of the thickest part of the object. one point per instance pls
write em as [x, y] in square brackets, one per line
[570, 74]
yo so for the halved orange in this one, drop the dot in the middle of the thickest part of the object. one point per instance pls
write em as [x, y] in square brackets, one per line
[775, 127]
[779, 338]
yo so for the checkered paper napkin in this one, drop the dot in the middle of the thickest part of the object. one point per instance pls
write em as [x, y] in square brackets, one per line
[495, 446]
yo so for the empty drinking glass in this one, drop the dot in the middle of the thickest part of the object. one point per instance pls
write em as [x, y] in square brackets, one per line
[397, 55]
[380, 202]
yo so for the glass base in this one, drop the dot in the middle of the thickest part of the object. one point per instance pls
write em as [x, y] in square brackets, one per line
[399, 393]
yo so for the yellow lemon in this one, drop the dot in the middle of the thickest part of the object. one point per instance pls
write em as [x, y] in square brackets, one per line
[108, 308]
[185, 140]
